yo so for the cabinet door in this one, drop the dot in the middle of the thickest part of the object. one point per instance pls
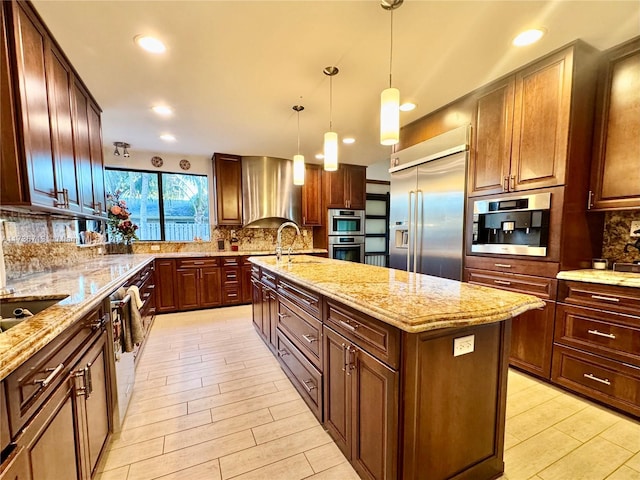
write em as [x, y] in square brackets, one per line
[97, 161]
[541, 123]
[82, 148]
[335, 194]
[490, 156]
[272, 324]
[30, 49]
[246, 284]
[256, 300]
[375, 416]
[165, 281]
[532, 340]
[312, 196]
[17, 467]
[188, 284]
[210, 287]
[228, 188]
[60, 82]
[93, 380]
[50, 438]
[357, 187]
[616, 172]
[337, 391]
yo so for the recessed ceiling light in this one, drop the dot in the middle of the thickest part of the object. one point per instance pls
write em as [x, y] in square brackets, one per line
[528, 37]
[150, 44]
[407, 106]
[319, 156]
[348, 140]
[163, 110]
[167, 137]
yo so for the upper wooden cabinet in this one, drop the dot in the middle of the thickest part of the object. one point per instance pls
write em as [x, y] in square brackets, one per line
[346, 187]
[312, 196]
[46, 133]
[615, 181]
[529, 125]
[227, 182]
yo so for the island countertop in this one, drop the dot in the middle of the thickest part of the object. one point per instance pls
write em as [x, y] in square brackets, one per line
[412, 302]
[603, 277]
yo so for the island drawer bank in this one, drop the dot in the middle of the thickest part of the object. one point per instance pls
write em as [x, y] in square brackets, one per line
[407, 372]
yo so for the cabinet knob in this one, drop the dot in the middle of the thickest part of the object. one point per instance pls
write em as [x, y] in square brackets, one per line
[505, 183]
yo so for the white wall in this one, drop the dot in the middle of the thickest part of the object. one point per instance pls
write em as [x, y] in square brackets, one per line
[379, 171]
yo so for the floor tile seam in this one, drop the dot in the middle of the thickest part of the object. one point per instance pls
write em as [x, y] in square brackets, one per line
[541, 404]
[231, 403]
[172, 393]
[284, 436]
[344, 459]
[158, 421]
[626, 464]
[113, 446]
[260, 383]
[208, 440]
[178, 402]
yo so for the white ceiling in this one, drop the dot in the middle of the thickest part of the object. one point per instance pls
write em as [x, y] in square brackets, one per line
[233, 69]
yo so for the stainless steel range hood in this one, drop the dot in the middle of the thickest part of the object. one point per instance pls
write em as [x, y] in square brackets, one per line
[269, 197]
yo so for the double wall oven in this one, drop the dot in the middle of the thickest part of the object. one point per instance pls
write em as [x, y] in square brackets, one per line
[346, 234]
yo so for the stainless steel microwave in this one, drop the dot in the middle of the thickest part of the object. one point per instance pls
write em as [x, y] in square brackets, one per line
[514, 225]
[346, 222]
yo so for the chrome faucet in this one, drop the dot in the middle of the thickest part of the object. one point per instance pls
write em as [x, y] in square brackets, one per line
[279, 240]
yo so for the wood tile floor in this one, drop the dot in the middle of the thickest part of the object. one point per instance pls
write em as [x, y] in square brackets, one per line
[210, 402]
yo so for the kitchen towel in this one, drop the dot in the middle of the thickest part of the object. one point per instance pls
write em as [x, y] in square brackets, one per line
[136, 328]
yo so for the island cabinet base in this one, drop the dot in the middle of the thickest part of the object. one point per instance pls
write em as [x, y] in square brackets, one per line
[454, 406]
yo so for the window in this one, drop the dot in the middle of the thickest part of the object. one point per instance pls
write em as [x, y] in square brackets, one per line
[165, 206]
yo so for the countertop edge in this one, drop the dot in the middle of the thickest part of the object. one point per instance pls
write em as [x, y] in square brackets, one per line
[602, 277]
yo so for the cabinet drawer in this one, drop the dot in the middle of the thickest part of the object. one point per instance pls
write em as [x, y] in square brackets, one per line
[306, 299]
[302, 329]
[255, 272]
[268, 278]
[230, 261]
[606, 297]
[32, 383]
[377, 338]
[197, 262]
[305, 377]
[608, 334]
[613, 383]
[512, 265]
[230, 275]
[539, 286]
[231, 295]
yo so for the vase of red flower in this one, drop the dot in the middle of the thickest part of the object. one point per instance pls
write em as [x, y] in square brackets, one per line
[121, 229]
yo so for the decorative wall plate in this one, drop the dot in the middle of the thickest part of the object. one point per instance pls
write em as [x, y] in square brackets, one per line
[156, 161]
[185, 164]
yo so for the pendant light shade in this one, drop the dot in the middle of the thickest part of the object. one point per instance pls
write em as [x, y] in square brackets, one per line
[298, 160]
[390, 116]
[390, 97]
[330, 137]
[331, 151]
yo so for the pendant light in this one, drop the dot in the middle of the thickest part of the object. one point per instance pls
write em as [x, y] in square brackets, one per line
[298, 160]
[390, 97]
[330, 137]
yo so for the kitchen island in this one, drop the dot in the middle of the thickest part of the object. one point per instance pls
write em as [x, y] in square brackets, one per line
[407, 372]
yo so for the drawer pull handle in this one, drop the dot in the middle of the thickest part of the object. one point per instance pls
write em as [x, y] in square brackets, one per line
[601, 334]
[502, 282]
[282, 315]
[590, 376]
[44, 383]
[502, 265]
[344, 357]
[307, 387]
[348, 326]
[310, 338]
[283, 353]
[608, 299]
[198, 263]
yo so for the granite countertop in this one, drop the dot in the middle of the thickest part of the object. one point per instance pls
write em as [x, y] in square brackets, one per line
[605, 277]
[84, 286]
[229, 253]
[411, 302]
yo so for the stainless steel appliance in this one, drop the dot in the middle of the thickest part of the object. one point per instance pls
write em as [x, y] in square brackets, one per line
[347, 247]
[513, 225]
[426, 229]
[346, 222]
[124, 361]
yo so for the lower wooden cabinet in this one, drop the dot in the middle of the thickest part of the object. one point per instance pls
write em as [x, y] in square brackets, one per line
[166, 294]
[361, 407]
[198, 284]
[16, 466]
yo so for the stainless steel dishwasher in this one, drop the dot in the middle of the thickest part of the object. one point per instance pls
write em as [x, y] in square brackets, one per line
[124, 366]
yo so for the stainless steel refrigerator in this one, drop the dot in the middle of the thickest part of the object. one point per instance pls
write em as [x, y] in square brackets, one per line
[428, 192]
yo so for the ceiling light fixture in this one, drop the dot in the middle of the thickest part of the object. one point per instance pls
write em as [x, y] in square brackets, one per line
[167, 137]
[163, 110]
[298, 160]
[150, 44]
[319, 156]
[330, 137]
[348, 140]
[528, 37]
[124, 146]
[390, 97]
[407, 107]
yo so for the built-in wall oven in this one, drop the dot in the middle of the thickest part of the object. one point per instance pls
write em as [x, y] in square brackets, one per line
[347, 247]
[346, 222]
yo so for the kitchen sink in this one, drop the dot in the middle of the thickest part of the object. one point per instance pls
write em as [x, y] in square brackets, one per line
[301, 260]
[15, 310]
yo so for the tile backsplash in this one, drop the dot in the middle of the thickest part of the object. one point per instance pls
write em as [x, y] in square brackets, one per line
[617, 235]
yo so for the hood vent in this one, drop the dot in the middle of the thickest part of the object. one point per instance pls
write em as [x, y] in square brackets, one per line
[269, 197]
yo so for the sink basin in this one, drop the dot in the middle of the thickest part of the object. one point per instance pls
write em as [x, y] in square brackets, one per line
[12, 310]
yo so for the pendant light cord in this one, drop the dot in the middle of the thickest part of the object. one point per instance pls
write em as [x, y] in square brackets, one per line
[331, 104]
[391, 49]
[298, 132]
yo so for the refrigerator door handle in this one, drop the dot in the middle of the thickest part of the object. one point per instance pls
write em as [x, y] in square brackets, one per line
[417, 241]
[410, 232]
